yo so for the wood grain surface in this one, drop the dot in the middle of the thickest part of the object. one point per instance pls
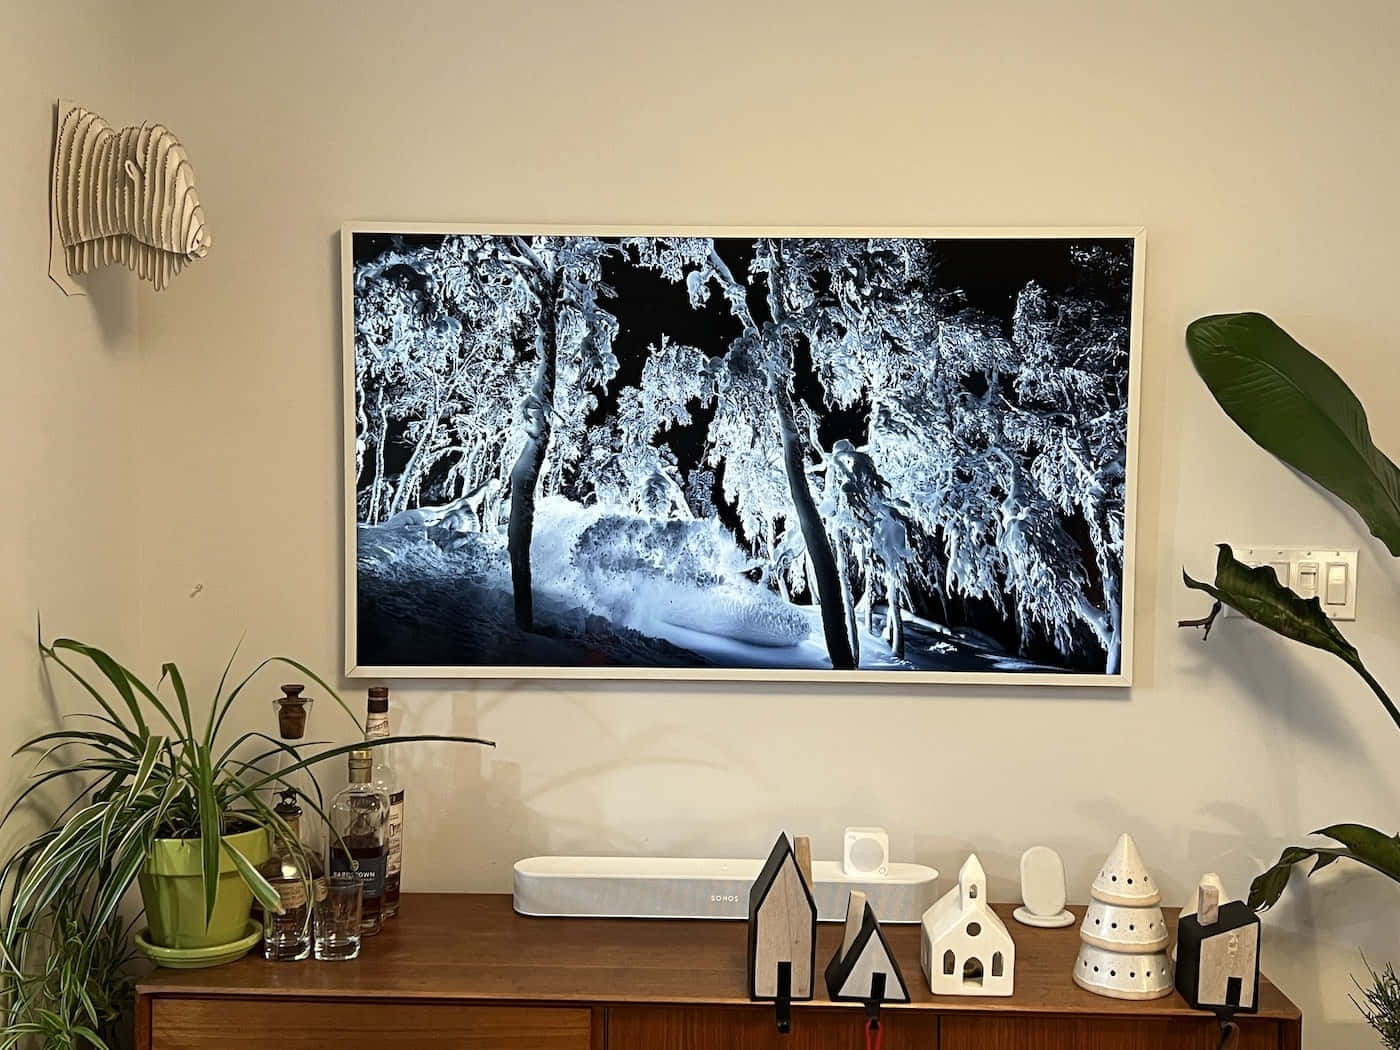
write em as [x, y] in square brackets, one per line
[459, 970]
[365, 1024]
[473, 947]
[739, 1028]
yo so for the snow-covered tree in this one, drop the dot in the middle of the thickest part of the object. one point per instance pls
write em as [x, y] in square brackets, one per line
[482, 312]
[754, 387]
[631, 469]
[429, 376]
[1071, 419]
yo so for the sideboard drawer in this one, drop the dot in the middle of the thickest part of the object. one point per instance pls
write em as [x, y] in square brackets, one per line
[362, 1024]
[1086, 1033]
[755, 1028]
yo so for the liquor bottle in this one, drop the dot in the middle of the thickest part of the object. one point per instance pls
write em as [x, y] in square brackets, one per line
[387, 780]
[293, 872]
[292, 709]
[359, 817]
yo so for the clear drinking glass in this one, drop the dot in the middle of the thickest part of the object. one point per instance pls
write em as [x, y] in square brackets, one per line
[338, 918]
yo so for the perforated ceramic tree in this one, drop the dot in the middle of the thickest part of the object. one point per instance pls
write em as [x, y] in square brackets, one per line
[1123, 934]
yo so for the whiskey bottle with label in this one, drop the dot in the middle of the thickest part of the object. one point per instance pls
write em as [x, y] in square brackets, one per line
[299, 879]
[359, 817]
[387, 780]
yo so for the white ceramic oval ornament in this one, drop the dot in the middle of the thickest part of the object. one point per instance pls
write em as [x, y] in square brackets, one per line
[1042, 889]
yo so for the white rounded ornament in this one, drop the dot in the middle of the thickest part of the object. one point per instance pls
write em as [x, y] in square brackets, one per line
[1043, 890]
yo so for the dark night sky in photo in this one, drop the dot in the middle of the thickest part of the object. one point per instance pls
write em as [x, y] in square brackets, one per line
[647, 305]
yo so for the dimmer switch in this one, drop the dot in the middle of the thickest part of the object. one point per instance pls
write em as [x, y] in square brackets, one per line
[1311, 572]
[1307, 579]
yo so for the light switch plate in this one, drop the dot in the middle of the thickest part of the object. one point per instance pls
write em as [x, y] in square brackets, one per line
[1328, 574]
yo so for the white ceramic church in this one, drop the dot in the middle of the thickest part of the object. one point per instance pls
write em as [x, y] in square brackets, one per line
[966, 947]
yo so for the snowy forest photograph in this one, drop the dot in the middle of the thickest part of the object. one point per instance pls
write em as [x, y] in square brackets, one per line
[739, 456]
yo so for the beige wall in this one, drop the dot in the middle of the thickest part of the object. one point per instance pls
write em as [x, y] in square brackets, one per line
[69, 534]
[1255, 141]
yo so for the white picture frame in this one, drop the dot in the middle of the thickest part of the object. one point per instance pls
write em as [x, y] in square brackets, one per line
[357, 667]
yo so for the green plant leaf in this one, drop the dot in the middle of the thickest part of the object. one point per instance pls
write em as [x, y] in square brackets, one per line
[1294, 406]
[360, 745]
[210, 834]
[1257, 594]
[262, 889]
[1361, 844]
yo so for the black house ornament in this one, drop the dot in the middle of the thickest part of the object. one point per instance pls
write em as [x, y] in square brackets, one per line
[864, 969]
[1217, 956]
[782, 949]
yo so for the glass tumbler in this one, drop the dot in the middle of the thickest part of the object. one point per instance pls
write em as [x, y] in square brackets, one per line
[338, 918]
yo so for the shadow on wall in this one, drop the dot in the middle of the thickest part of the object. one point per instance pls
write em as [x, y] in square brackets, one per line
[488, 801]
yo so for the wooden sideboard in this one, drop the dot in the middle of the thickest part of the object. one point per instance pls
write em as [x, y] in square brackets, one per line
[464, 971]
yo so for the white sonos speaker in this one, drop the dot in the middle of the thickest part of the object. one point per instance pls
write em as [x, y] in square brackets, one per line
[867, 852]
[682, 888]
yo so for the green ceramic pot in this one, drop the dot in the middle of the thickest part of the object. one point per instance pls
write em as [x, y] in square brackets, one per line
[173, 892]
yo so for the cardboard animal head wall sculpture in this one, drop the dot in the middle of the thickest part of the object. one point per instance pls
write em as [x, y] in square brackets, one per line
[123, 196]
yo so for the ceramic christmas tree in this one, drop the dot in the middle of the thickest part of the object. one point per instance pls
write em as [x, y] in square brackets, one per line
[1123, 934]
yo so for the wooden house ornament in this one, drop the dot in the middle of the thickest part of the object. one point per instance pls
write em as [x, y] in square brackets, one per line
[966, 947]
[782, 928]
[1217, 955]
[864, 969]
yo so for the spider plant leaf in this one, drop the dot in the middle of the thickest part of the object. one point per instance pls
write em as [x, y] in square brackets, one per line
[114, 673]
[177, 683]
[142, 776]
[91, 690]
[262, 889]
[297, 665]
[245, 790]
[1294, 406]
[129, 855]
[223, 678]
[210, 833]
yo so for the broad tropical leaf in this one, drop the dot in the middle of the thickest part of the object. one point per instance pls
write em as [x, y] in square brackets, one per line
[1364, 845]
[1257, 594]
[1293, 405]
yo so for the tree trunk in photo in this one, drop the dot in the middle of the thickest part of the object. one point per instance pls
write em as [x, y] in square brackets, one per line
[895, 617]
[376, 492]
[361, 427]
[847, 602]
[418, 461]
[825, 578]
[779, 574]
[525, 474]
[1106, 625]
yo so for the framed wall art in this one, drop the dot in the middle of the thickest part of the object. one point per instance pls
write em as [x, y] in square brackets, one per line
[892, 455]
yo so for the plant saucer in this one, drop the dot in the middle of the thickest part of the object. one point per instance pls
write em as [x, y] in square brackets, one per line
[197, 958]
[1029, 918]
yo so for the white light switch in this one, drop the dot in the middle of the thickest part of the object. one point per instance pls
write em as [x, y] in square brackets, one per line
[1336, 583]
[1311, 572]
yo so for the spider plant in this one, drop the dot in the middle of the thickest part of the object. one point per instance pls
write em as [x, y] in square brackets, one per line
[152, 767]
[81, 995]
